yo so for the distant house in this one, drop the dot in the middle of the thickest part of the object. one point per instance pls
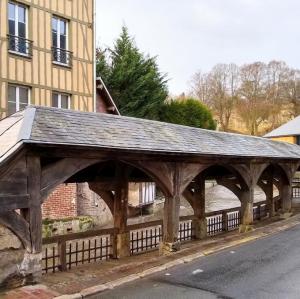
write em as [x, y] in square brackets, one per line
[104, 101]
[289, 132]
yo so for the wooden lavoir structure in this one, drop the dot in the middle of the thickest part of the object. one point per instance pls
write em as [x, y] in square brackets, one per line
[41, 148]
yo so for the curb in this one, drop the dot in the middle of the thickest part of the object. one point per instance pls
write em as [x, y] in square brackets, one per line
[182, 260]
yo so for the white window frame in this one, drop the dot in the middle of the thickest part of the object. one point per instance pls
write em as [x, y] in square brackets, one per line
[58, 30]
[18, 95]
[58, 37]
[17, 5]
[59, 99]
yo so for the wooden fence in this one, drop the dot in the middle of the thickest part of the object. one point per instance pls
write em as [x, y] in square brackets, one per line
[61, 253]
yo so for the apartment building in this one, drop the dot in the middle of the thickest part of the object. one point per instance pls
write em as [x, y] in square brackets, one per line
[47, 54]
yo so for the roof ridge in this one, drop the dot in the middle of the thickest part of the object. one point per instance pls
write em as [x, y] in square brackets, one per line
[28, 119]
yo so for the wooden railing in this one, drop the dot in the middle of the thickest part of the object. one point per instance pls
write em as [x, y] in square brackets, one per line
[61, 253]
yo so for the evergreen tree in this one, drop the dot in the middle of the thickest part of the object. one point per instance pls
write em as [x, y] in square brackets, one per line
[188, 112]
[134, 80]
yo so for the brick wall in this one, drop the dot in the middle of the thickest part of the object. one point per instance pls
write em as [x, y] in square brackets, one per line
[61, 203]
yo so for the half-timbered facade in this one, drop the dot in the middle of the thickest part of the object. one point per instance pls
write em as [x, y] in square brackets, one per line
[46, 54]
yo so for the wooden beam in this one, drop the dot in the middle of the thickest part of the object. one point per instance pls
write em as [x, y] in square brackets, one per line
[64, 151]
[13, 202]
[17, 225]
[57, 173]
[105, 194]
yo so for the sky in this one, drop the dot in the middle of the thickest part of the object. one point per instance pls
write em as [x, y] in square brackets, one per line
[193, 35]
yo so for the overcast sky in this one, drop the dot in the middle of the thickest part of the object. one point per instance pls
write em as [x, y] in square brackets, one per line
[195, 35]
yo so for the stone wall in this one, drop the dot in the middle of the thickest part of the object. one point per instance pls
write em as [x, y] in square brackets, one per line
[11, 258]
[90, 204]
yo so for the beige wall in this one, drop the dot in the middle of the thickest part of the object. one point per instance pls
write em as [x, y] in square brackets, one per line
[289, 139]
[38, 72]
[134, 194]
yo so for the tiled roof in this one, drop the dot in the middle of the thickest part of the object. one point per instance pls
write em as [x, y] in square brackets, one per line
[291, 128]
[66, 127]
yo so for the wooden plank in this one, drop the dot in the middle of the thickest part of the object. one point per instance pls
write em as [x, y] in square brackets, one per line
[13, 202]
[144, 225]
[81, 235]
[13, 187]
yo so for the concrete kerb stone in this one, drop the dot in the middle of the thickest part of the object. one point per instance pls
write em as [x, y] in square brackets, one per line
[93, 290]
[192, 257]
[152, 271]
[118, 282]
[71, 296]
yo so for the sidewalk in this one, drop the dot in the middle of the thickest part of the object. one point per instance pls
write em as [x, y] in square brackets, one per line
[92, 278]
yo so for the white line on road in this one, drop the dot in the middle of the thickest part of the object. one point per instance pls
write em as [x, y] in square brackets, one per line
[197, 271]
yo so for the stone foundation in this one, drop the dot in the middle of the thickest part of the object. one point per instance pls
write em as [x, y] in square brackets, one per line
[122, 245]
[166, 248]
[17, 267]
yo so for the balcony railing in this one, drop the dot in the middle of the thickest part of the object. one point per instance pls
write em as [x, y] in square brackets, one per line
[62, 56]
[19, 45]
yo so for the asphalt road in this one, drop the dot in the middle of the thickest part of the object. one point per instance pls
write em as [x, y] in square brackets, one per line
[267, 268]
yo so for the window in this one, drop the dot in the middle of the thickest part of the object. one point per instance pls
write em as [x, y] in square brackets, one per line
[298, 140]
[60, 53]
[17, 29]
[18, 98]
[61, 101]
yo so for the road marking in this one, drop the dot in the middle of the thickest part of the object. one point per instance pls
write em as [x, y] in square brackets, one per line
[197, 271]
[167, 274]
[232, 251]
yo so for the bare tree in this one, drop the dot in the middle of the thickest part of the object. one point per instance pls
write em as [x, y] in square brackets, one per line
[258, 93]
[199, 86]
[253, 106]
[218, 90]
[292, 91]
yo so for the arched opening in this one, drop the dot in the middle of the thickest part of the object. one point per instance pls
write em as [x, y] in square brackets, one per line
[90, 193]
[223, 185]
[271, 180]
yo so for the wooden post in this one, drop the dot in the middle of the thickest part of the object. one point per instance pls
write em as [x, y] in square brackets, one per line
[200, 222]
[62, 246]
[246, 209]
[31, 267]
[121, 240]
[225, 221]
[286, 197]
[171, 216]
[270, 195]
[35, 212]
[258, 212]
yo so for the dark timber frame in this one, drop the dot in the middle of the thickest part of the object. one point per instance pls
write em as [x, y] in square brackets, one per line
[33, 171]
